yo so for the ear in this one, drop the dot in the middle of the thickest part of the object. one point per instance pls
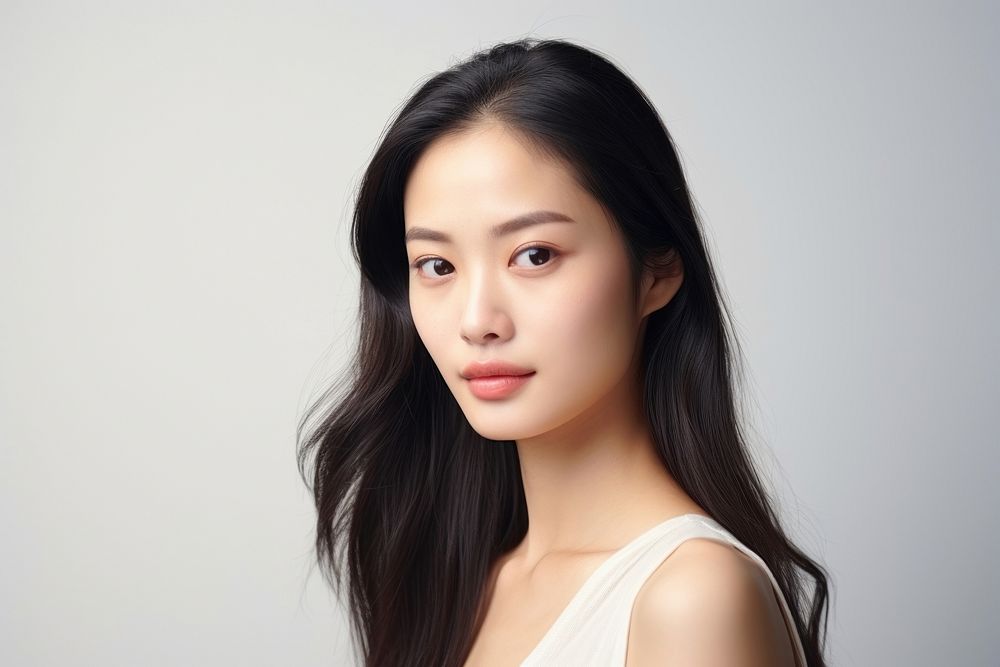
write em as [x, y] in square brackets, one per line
[661, 279]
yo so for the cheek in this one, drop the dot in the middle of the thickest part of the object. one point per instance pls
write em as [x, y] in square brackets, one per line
[429, 330]
[585, 331]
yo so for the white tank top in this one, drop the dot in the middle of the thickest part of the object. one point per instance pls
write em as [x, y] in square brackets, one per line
[592, 631]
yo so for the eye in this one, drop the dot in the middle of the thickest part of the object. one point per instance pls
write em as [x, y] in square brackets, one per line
[437, 263]
[537, 256]
[541, 256]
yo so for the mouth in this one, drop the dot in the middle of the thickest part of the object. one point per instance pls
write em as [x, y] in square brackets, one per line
[492, 368]
[491, 387]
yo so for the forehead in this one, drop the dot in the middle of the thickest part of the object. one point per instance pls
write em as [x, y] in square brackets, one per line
[485, 175]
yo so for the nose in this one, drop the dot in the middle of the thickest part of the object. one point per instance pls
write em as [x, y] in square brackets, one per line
[485, 318]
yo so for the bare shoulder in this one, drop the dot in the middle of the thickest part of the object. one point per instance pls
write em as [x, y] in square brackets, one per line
[708, 604]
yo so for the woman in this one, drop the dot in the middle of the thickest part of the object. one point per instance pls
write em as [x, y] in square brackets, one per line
[537, 458]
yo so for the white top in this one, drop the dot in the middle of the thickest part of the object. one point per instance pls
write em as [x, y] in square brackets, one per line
[593, 628]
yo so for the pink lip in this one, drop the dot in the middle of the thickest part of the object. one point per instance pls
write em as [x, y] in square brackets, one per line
[497, 386]
[492, 367]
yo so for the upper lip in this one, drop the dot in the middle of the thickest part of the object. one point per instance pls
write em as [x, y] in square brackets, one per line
[490, 368]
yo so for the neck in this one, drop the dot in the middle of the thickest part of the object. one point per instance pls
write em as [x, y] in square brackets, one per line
[595, 482]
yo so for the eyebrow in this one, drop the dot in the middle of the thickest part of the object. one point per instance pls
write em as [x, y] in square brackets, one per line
[504, 228]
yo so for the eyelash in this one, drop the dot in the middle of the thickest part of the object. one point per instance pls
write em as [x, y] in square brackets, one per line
[416, 264]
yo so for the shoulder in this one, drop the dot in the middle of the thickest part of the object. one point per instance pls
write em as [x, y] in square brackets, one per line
[708, 604]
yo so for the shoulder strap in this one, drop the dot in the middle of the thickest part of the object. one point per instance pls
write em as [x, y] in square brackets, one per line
[594, 628]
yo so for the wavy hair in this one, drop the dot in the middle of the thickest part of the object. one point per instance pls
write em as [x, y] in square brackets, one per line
[413, 505]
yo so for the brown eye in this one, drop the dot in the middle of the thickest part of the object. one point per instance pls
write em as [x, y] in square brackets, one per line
[538, 255]
[437, 264]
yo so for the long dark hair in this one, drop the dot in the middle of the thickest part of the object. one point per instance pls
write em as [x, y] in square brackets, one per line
[413, 505]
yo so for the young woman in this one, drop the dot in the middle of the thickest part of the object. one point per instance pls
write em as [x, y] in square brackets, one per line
[537, 457]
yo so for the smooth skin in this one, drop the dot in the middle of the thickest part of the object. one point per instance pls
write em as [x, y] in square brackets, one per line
[552, 297]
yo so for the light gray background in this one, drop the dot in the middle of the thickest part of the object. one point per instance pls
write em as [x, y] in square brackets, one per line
[175, 183]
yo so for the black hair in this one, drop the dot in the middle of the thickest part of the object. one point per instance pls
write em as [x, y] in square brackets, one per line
[413, 505]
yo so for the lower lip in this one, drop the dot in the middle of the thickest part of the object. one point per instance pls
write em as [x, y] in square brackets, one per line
[497, 386]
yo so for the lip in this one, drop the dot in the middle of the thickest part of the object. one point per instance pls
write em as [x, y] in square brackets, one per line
[497, 386]
[493, 368]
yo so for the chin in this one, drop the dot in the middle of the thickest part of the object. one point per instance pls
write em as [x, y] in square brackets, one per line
[499, 427]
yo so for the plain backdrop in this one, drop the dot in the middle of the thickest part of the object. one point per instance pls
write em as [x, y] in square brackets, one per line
[175, 195]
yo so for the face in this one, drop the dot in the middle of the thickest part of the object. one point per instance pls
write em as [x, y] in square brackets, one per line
[551, 297]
